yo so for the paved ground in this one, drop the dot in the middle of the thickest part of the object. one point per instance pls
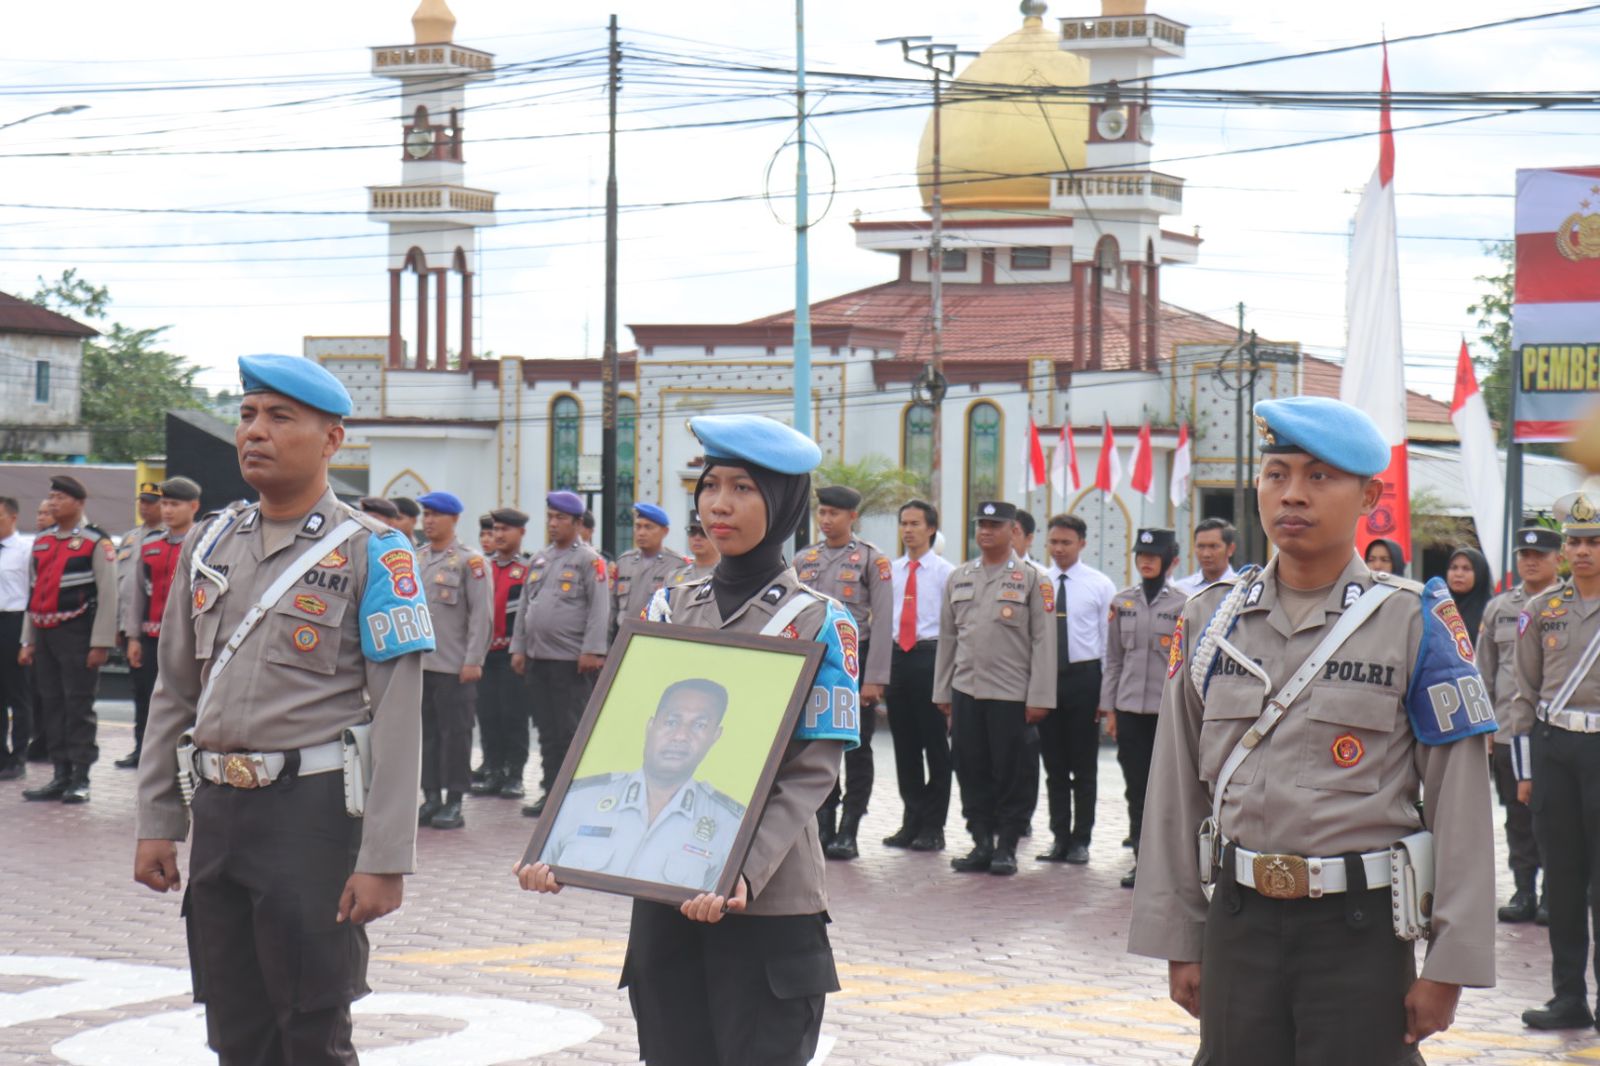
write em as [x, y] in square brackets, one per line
[937, 968]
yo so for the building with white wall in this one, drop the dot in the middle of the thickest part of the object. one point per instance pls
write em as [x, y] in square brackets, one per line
[41, 372]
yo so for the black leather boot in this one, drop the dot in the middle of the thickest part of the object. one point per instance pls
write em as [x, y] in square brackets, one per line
[491, 784]
[1004, 861]
[449, 816]
[901, 838]
[977, 860]
[1559, 1014]
[827, 829]
[432, 804]
[78, 788]
[54, 788]
[129, 761]
[844, 841]
[1523, 906]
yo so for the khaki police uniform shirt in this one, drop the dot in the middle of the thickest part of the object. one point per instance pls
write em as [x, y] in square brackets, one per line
[1342, 772]
[460, 601]
[1138, 645]
[107, 616]
[784, 865]
[1559, 628]
[1497, 655]
[997, 635]
[604, 827]
[858, 575]
[284, 691]
[128, 546]
[636, 579]
[685, 574]
[566, 605]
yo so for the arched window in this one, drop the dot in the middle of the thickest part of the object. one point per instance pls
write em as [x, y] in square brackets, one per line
[564, 442]
[627, 421]
[983, 464]
[916, 443]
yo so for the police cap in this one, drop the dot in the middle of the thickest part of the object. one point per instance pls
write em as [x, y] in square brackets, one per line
[841, 496]
[441, 502]
[509, 516]
[652, 513]
[71, 486]
[1340, 435]
[1154, 541]
[565, 502]
[303, 380]
[1578, 515]
[149, 491]
[755, 439]
[379, 506]
[995, 511]
[1538, 539]
[180, 488]
[485, 522]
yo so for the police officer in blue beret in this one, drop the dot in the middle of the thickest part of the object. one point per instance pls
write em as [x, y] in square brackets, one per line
[643, 568]
[1308, 708]
[742, 980]
[290, 690]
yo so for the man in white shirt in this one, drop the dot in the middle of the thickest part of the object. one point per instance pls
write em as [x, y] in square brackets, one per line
[1214, 542]
[16, 695]
[1070, 735]
[921, 738]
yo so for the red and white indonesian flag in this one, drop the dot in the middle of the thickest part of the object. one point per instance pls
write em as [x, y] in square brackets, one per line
[1374, 367]
[1480, 461]
[1182, 465]
[1144, 465]
[1064, 465]
[1032, 460]
[1556, 322]
[1108, 475]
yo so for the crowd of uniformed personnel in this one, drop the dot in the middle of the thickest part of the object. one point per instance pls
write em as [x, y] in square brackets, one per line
[986, 669]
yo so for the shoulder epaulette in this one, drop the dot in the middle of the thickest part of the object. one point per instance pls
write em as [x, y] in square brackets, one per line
[99, 534]
[727, 803]
[594, 780]
[369, 523]
[1402, 583]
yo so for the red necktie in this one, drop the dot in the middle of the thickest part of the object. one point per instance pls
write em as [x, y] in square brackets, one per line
[908, 610]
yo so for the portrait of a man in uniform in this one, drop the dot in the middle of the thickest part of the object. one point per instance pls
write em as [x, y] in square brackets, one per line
[659, 822]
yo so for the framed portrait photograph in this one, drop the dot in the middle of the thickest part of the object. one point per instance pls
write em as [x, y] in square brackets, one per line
[673, 760]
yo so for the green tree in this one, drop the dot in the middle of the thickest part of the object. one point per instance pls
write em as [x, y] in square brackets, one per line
[1493, 309]
[883, 485]
[128, 383]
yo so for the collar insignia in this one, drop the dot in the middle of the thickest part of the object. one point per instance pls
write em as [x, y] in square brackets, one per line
[1253, 597]
[772, 596]
[1352, 593]
[314, 524]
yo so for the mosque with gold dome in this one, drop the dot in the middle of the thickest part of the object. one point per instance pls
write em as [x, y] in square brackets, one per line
[1055, 232]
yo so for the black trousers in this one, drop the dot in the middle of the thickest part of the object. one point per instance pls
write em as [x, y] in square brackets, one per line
[1069, 739]
[503, 715]
[16, 691]
[1521, 847]
[144, 684]
[747, 991]
[447, 708]
[276, 973]
[921, 738]
[66, 689]
[559, 695]
[1136, 743]
[1566, 822]
[1312, 982]
[859, 771]
[991, 741]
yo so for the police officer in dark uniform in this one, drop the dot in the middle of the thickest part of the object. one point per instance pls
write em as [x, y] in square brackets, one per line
[70, 629]
[742, 980]
[854, 572]
[502, 695]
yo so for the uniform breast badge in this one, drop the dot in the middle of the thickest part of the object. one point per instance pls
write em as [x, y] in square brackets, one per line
[1348, 750]
[606, 803]
[705, 829]
[306, 638]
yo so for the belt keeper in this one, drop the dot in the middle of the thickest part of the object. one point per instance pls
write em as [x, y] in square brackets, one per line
[1229, 886]
[1355, 881]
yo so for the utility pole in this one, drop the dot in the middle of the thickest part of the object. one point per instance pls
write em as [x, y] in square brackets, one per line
[802, 261]
[608, 364]
[940, 59]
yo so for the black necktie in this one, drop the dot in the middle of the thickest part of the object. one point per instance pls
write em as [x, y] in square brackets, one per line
[1063, 652]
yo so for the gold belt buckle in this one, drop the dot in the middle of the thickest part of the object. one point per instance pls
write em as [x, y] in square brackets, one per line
[1281, 876]
[237, 772]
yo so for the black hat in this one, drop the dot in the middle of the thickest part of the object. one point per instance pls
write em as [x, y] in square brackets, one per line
[71, 486]
[485, 522]
[694, 524]
[509, 516]
[180, 488]
[1155, 541]
[149, 491]
[995, 511]
[405, 505]
[379, 506]
[1537, 538]
[841, 496]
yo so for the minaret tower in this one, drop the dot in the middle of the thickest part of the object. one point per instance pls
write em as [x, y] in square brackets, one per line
[1117, 201]
[433, 217]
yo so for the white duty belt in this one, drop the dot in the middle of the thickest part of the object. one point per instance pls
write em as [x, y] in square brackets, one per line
[1570, 720]
[1297, 877]
[257, 769]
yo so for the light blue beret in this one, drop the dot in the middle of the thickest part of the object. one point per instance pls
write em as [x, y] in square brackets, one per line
[305, 380]
[653, 513]
[565, 502]
[442, 502]
[754, 439]
[1328, 429]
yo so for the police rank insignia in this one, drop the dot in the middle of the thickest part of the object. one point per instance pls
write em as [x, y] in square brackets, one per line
[1253, 597]
[306, 638]
[705, 829]
[772, 596]
[606, 803]
[1347, 750]
[313, 525]
[1352, 593]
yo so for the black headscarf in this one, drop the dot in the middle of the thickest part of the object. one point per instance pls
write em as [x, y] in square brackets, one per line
[1395, 554]
[1472, 603]
[1154, 585]
[788, 499]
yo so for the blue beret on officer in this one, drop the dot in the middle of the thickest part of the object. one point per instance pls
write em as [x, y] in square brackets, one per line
[653, 513]
[299, 379]
[442, 502]
[1340, 435]
[755, 439]
[565, 502]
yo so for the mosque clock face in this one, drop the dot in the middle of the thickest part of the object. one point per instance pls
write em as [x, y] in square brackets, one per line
[419, 142]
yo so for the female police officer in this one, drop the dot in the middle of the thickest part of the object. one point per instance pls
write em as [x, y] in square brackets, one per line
[741, 980]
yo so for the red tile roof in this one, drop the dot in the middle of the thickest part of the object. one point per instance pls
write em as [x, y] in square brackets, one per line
[20, 316]
[1319, 377]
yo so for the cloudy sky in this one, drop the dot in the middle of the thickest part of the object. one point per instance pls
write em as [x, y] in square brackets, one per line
[271, 109]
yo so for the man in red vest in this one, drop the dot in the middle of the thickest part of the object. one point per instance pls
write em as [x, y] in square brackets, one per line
[70, 629]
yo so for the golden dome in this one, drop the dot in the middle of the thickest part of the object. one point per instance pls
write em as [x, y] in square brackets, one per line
[433, 23]
[982, 140]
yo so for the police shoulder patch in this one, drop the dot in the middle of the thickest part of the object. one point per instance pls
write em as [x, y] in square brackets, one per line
[394, 613]
[1446, 699]
[1175, 654]
[834, 710]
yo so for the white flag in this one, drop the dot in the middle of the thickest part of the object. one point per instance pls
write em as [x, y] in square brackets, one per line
[1480, 461]
[1182, 463]
[1064, 465]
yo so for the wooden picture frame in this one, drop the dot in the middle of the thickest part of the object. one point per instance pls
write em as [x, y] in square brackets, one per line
[660, 793]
